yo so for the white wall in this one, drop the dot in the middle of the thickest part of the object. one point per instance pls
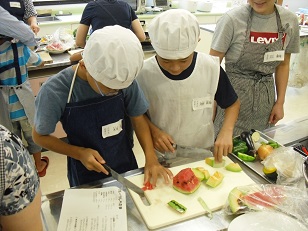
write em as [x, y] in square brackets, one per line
[295, 4]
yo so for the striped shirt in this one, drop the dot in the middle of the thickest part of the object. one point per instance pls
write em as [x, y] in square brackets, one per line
[8, 76]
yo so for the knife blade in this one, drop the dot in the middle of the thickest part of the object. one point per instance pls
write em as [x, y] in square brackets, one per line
[188, 147]
[127, 184]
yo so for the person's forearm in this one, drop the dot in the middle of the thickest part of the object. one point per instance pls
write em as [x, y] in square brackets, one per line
[138, 30]
[143, 134]
[32, 20]
[54, 144]
[153, 128]
[231, 114]
[281, 79]
[11, 27]
[81, 35]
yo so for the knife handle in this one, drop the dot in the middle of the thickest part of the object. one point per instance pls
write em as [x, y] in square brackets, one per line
[107, 168]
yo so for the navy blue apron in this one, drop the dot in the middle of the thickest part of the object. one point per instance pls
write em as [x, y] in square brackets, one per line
[82, 122]
[11, 7]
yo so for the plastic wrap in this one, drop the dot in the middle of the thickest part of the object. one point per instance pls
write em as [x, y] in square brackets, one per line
[289, 166]
[61, 40]
[288, 200]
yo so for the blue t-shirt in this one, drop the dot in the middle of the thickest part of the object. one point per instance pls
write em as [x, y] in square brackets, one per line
[52, 99]
[99, 14]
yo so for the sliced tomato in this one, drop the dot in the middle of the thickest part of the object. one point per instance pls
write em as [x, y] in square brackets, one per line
[147, 186]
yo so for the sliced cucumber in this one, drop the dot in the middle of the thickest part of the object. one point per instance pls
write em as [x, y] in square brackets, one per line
[177, 206]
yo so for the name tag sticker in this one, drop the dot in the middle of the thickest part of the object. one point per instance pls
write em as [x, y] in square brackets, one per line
[15, 4]
[201, 103]
[274, 56]
[112, 129]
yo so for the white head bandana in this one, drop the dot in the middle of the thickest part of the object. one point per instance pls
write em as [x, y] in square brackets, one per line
[113, 56]
[174, 34]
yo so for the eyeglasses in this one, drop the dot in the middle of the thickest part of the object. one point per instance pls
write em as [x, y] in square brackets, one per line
[111, 92]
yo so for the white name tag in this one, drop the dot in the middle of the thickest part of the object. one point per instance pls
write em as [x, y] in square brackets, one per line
[201, 103]
[15, 4]
[274, 56]
[112, 129]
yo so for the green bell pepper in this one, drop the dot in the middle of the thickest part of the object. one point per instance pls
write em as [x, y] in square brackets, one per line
[240, 147]
[245, 157]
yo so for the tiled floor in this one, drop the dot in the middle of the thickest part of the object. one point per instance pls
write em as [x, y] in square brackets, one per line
[296, 106]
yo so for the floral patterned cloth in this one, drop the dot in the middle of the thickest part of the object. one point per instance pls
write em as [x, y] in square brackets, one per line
[19, 181]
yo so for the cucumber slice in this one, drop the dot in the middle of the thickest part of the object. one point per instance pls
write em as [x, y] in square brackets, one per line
[177, 206]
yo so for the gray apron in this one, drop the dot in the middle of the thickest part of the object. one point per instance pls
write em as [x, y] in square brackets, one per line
[253, 81]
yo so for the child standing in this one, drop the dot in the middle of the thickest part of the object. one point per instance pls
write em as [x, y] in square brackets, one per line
[181, 86]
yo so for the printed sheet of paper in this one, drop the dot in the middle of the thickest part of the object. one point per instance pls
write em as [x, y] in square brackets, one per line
[93, 209]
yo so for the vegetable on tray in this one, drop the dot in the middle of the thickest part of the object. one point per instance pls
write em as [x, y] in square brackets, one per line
[246, 157]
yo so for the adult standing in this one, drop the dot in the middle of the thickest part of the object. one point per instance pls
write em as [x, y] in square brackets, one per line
[11, 27]
[15, 88]
[257, 40]
[101, 13]
[23, 10]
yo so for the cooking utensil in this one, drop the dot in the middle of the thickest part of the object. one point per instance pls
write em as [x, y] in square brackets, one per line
[301, 149]
[178, 146]
[127, 184]
[206, 208]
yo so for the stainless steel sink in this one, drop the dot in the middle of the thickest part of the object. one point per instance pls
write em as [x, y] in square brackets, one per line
[47, 19]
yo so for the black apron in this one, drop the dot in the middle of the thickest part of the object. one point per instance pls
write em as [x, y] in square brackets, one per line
[83, 121]
[14, 7]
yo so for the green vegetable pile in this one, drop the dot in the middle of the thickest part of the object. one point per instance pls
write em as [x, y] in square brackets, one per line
[274, 144]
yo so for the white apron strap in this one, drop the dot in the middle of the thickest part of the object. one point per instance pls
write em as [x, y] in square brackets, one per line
[72, 84]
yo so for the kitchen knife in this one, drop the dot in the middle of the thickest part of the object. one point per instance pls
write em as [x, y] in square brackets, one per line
[176, 146]
[127, 184]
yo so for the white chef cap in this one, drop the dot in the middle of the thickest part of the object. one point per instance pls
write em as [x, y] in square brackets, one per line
[174, 34]
[113, 56]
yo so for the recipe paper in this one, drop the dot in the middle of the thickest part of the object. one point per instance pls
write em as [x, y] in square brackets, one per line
[93, 209]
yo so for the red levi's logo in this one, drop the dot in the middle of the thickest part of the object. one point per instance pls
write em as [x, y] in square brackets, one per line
[265, 37]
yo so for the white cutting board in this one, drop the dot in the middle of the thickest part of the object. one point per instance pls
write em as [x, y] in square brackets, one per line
[159, 214]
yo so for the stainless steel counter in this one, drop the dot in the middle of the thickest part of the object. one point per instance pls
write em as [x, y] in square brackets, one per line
[63, 60]
[290, 133]
[286, 134]
[52, 203]
[59, 60]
